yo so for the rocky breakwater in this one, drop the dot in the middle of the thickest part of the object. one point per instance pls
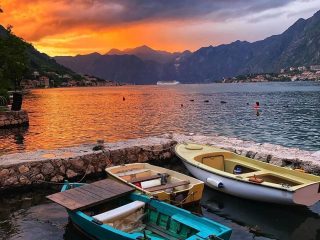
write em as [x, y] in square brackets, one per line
[31, 168]
[13, 118]
[266, 152]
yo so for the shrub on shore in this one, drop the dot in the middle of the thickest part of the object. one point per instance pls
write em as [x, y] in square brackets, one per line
[4, 93]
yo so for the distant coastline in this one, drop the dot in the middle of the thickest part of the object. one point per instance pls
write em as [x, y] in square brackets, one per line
[291, 74]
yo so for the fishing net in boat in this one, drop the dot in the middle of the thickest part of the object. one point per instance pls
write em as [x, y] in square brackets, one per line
[131, 223]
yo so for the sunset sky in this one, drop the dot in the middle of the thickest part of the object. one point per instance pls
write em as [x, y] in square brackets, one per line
[70, 27]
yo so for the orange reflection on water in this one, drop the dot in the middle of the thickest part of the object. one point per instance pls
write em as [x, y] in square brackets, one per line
[65, 117]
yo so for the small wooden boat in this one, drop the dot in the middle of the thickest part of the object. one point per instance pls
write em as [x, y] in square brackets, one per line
[132, 215]
[165, 184]
[248, 178]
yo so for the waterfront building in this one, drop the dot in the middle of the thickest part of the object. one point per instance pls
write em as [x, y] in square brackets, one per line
[44, 81]
[302, 68]
[315, 67]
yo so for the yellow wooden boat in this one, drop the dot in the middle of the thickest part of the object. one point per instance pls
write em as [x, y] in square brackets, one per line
[164, 184]
[248, 178]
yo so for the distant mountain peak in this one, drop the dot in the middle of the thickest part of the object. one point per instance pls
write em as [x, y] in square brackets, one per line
[146, 53]
[145, 47]
[114, 51]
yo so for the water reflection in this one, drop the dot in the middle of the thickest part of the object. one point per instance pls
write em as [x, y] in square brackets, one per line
[262, 219]
[288, 114]
[12, 138]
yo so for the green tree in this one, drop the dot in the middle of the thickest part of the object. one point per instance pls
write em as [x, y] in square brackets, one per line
[13, 60]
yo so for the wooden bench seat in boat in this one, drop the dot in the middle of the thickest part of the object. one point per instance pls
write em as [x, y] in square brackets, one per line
[120, 212]
[142, 179]
[132, 172]
[167, 186]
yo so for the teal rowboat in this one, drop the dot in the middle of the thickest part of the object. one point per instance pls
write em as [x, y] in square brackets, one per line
[136, 216]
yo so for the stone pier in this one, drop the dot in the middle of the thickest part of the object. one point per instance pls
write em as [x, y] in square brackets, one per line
[32, 168]
[10, 119]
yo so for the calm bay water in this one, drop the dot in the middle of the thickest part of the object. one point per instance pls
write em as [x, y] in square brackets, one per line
[289, 114]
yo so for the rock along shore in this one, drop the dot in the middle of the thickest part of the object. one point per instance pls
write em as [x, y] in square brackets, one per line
[33, 168]
[10, 119]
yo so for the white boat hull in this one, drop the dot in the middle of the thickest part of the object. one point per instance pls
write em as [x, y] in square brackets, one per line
[241, 189]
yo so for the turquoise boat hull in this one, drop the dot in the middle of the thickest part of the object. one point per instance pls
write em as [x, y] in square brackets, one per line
[206, 229]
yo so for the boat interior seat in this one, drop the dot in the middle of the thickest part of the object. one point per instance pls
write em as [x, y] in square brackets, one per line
[168, 186]
[250, 174]
[147, 178]
[216, 162]
[120, 212]
[132, 172]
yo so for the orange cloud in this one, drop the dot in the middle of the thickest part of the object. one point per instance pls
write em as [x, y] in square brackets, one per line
[70, 27]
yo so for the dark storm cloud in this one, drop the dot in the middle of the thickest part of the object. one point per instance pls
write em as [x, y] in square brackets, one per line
[51, 17]
[139, 10]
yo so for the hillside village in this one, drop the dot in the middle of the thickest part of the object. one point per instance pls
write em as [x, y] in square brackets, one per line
[53, 79]
[301, 73]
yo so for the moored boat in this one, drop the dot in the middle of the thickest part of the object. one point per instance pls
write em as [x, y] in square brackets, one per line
[167, 185]
[135, 216]
[248, 178]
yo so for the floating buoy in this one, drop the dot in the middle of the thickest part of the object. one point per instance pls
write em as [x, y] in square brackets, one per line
[257, 105]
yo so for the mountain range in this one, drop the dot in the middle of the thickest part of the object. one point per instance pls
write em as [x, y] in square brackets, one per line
[298, 45]
[146, 53]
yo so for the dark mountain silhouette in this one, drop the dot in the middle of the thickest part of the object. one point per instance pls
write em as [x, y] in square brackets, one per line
[3, 31]
[146, 53]
[298, 45]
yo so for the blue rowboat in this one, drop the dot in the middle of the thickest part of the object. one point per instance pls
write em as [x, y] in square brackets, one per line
[136, 216]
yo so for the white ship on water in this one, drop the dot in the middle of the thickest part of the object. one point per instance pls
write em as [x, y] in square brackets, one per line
[174, 82]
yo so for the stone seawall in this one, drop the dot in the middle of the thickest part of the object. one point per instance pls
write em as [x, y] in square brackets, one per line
[22, 169]
[32, 168]
[13, 118]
